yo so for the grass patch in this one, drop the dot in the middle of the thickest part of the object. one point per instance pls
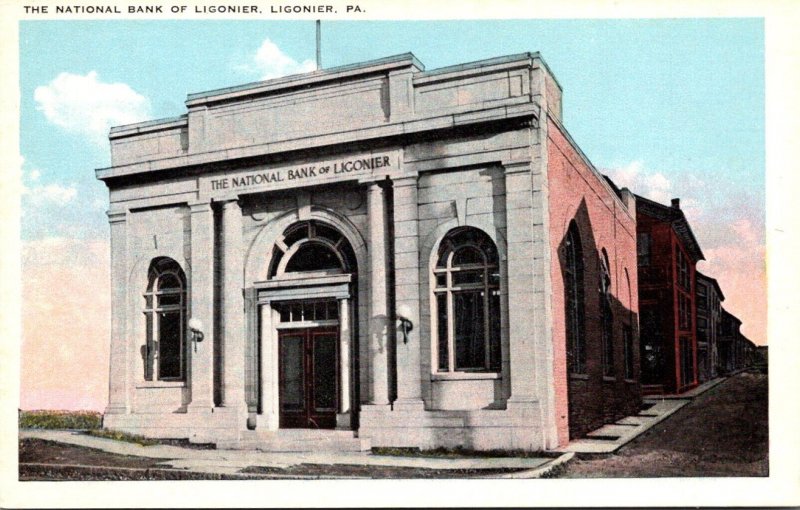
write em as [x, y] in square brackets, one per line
[44, 419]
[116, 435]
[458, 453]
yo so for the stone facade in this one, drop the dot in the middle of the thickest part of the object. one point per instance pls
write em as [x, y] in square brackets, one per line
[372, 248]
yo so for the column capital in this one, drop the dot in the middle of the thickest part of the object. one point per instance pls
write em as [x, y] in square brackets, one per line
[117, 215]
[516, 166]
[404, 181]
[199, 206]
[228, 202]
[376, 181]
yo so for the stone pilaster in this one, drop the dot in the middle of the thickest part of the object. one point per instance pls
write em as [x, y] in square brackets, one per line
[343, 417]
[120, 384]
[202, 307]
[379, 333]
[523, 317]
[233, 325]
[270, 412]
[406, 288]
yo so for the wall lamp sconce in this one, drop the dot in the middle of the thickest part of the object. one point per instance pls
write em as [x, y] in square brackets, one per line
[196, 330]
[405, 326]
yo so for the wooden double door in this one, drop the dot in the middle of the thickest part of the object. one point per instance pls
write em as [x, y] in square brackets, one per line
[309, 378]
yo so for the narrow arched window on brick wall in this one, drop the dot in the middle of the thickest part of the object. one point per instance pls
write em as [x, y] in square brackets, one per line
[574, 301]
[606, 316]
[627, 331]
[466, 299]
[165, 318]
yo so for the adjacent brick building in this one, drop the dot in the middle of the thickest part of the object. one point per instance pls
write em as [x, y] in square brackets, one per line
[736, 351]
[708, 297]
[378, 254]
[667, 256]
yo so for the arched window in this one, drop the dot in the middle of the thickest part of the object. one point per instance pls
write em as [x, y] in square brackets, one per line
[574, 301]
[627, 332]
[607, 320]
[165, 317]
[467, 302]
[312, 246]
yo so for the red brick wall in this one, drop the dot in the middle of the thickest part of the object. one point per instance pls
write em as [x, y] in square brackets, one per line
[577, 193]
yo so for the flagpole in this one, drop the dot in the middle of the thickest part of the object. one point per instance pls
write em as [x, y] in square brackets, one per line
[319, 44]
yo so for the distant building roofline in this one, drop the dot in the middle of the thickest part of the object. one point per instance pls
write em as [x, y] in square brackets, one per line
[675, 215]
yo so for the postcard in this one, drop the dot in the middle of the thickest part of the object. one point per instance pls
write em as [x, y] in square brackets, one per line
[320, 254]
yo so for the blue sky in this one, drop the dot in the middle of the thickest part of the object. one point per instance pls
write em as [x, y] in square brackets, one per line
[666, 107]
[679, 96]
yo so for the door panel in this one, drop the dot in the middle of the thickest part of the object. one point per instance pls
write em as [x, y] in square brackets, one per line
[308, 378]
[324, 378]
[292, 373]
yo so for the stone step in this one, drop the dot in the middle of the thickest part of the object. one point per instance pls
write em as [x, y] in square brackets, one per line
[298, 434]
[350, 445]
[610, 431]
[298, 440]
[652, 389]
[632, 421]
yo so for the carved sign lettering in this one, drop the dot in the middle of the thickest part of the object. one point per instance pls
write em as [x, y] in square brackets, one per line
[301, 175]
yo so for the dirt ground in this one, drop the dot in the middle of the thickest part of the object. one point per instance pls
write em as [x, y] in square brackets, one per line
[723, 432]
[47, 460]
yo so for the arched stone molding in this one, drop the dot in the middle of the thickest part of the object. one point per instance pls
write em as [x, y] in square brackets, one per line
[137, 286]
[429, 248]
[259, 254]
[258, 259]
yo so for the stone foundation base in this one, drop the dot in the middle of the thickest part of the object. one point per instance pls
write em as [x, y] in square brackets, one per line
[217, 425]
[515, 428]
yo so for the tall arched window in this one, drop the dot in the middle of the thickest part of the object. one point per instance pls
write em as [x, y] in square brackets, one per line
[574, 301]
[607, 320]
[467, 302]
[627, 331]
[165, 317]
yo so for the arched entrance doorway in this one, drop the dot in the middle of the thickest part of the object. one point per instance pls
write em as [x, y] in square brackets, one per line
[306, 329]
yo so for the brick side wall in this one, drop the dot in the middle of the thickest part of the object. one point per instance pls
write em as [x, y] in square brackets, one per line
[584, 402]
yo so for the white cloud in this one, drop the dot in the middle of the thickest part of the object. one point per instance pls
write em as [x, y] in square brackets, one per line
[729, 228]
[45, 194]
[633, 176]
[87, 106]
[269, 61]
[55, 194]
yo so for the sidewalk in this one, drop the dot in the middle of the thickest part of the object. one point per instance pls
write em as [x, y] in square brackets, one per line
[233, 461]
[610, 438]
[698, 390]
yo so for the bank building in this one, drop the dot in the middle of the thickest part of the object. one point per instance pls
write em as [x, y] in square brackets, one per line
[370, 255]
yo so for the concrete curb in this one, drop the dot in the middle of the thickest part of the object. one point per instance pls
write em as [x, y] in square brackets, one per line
[175, 472]
[231, 462]
[545, 471]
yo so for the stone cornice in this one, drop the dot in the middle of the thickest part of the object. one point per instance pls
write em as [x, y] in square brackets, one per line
[449, 121]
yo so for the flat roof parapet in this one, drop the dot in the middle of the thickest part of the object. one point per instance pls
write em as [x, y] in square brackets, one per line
[148, 126]
[294, 80]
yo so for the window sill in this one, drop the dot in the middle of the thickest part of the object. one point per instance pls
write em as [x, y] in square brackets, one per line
[609, 378]
[161, 384]
[581, 377]
[464, 376]
[630, 381]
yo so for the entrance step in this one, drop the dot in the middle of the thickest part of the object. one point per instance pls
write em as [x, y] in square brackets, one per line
[298, 440]
[652, 389]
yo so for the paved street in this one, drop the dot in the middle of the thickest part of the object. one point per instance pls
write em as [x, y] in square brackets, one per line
[723, 432]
